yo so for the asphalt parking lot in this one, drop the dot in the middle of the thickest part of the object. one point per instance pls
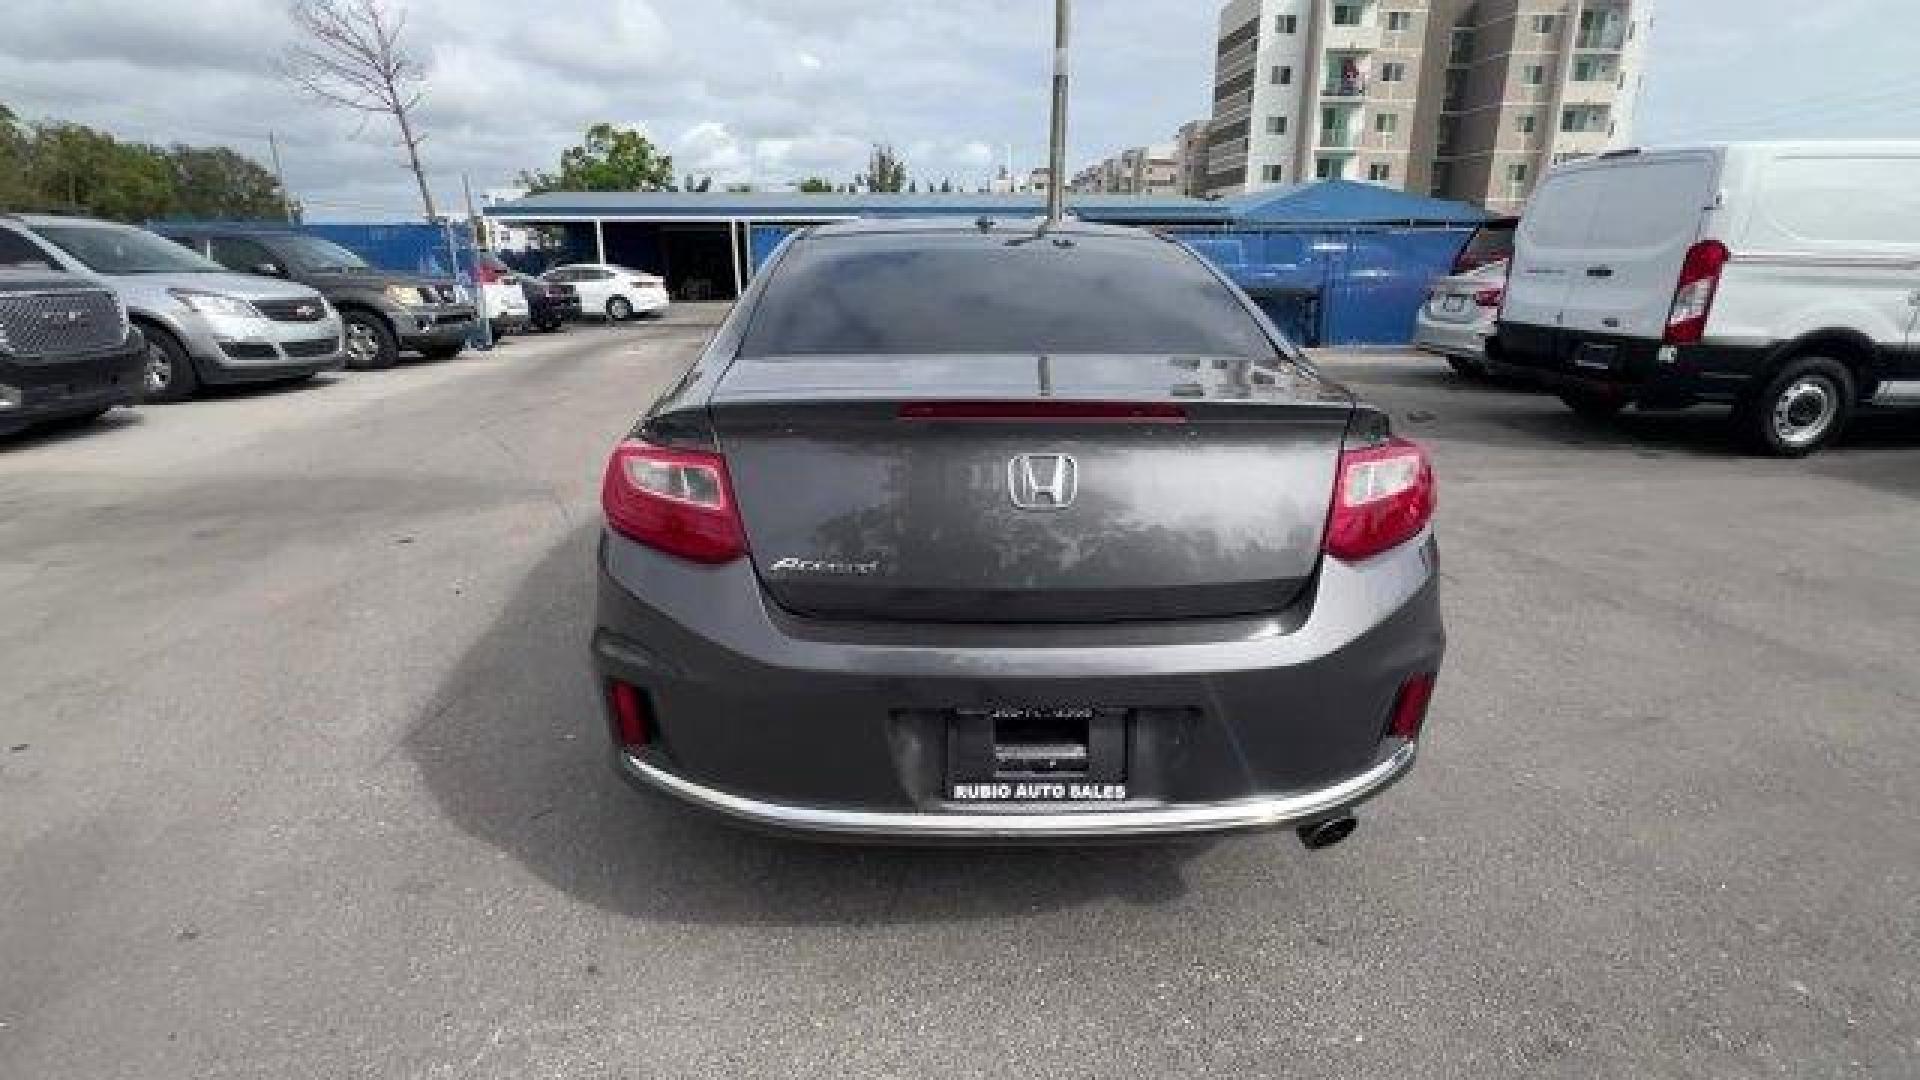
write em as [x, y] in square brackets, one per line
[301, 775]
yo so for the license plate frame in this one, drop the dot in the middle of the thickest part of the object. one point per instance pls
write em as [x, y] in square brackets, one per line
[1454, 305]
[1072, 754]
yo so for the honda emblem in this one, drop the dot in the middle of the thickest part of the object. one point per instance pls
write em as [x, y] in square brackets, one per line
[1043, 481]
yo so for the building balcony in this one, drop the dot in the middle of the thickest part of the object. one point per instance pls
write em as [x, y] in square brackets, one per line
[1349, 88]
[1337, 144]
[1363, 38]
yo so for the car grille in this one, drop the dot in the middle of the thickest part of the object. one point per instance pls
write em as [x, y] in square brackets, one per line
[296, 310]
[248, 350]
[317, 347]
[44, 323]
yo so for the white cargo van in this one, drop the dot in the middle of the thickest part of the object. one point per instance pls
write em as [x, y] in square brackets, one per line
[1780, 278]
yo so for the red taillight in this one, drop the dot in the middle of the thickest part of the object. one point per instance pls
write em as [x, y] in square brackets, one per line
[1490, 297]
[1383, 497]
[678, 501]
[1693, 297]
[1137, 412]
[1410, 707]
[485, 274]
[629, 714]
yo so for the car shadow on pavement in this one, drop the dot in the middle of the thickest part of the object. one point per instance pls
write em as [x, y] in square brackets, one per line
[55, 432]
[513, 747]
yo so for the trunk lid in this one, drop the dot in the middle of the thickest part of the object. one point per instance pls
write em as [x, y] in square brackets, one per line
[856, 507]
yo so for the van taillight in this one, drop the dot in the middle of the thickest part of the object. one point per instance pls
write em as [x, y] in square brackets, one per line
[485, 275]
[676, 501]
[1693, 297]
[1492, 298]
[1384, 495]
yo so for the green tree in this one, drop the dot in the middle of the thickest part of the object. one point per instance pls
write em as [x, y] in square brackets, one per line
[886, 172]
[608, 159]
[15, 154]
[815, 185]
[215, 182]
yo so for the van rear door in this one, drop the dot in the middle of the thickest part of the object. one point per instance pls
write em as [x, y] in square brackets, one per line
[1650, 211]
[1550, 247]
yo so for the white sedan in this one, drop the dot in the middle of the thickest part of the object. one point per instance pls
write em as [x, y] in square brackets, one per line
[615, 291]
[1459, 317]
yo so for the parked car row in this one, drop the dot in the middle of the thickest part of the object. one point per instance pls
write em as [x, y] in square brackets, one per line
[1779, 279]
[96, 314]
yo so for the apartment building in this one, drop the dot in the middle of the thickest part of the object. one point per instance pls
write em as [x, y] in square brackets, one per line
[1466, 99]
[1138, 170]
[1526, 85]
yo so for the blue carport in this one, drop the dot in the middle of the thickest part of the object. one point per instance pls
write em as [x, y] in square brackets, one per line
[1337, 262]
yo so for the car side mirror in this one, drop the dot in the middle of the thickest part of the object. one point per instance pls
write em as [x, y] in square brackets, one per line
[271, 269]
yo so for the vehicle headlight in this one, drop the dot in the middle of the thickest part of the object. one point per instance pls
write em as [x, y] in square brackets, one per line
[207, 303]
[406, 294]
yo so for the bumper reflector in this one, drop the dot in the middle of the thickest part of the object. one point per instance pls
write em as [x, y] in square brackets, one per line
[630, 713]
[1410, 708]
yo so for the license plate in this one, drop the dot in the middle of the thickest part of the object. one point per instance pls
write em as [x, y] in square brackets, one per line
[1591, 357]
[1454, 305]
[1067, 754]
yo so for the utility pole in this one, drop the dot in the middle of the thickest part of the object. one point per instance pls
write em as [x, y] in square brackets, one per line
[473, 219]
[1057, 137]
[280, 177]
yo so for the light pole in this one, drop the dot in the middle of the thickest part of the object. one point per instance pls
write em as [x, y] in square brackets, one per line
[1057, 136]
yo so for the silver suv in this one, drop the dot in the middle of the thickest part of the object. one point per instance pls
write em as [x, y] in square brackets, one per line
[202, 324]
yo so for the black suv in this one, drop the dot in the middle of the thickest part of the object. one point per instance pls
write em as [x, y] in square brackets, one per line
[381, 312]
[67, 351]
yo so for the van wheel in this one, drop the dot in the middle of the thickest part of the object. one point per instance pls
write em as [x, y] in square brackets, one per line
[619, 309]
[1472, 369]
[1593, 406]
[1801, 408]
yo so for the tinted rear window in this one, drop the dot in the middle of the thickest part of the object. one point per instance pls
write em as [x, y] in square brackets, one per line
[1005, 293]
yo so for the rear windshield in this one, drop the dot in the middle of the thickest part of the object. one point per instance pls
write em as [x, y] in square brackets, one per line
[1489, 244]
[1008, 293]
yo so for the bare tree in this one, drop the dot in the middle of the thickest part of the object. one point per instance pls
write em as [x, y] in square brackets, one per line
[351, 57]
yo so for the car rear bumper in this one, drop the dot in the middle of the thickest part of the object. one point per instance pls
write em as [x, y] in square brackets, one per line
[32, 391]
[1463, 339]
[1634, 369]
[843, 730]
[1183, 820]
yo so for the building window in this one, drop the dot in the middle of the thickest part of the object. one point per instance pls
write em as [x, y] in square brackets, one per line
[1379, 172]
[1273, 174]
[1286, 24]
[1534, 75]
[1276, 125]
[1393, 72]
[1399, 22]
[1346, 14]
[1327, 169]
[1543, 24]
[1386, 123]
[1526, 123]
[1282, 76]
[1517, 172]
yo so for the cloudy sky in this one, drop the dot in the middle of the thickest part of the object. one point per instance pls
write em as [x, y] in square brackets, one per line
[773, 90]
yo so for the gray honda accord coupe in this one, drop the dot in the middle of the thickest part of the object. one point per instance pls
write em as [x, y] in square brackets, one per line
[1006, 533]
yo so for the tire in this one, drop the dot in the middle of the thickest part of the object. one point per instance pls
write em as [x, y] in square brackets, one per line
[370, 344]
[442, 351]
[619, 309]
[1472, 369]
[549, 325]
[168, 373]
[1591, 406]
[1802, 408]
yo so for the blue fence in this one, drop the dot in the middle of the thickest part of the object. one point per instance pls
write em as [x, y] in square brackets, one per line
[1336, 287]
